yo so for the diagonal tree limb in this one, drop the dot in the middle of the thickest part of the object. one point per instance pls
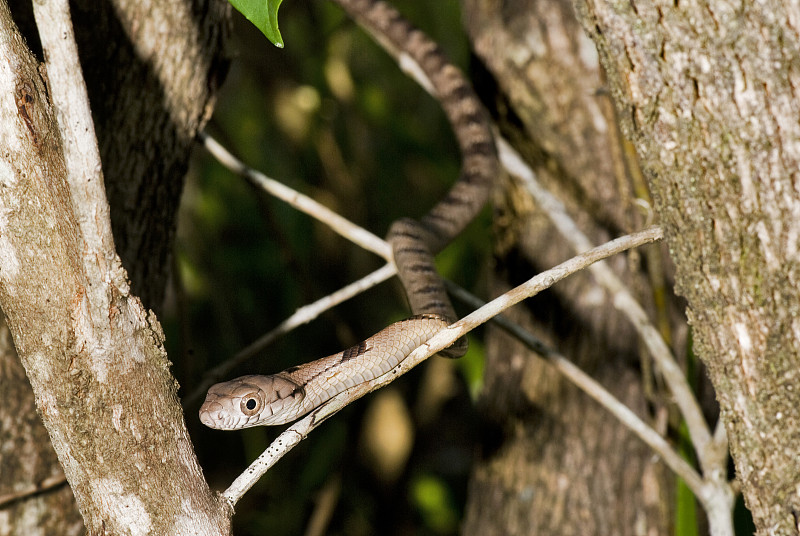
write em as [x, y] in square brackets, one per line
[298, 431]
[301, 202]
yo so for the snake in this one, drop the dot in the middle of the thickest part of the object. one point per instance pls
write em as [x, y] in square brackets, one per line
[255, 400]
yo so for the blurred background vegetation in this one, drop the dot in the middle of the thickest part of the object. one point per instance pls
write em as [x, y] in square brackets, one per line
[332, 116]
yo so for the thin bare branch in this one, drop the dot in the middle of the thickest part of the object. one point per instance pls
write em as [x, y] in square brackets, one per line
[298, 318]
[552, 207]
[47, 484]
[298, 431]
[303, 203]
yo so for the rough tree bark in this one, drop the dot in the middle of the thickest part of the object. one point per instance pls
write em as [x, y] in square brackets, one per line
[561, 464]
[152, 86]
[708, 93]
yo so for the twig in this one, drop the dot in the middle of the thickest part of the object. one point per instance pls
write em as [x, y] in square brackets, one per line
[298, 431]
[648, 436]
[354, 233]
[553, 208]
[303, 315]
[34, 489]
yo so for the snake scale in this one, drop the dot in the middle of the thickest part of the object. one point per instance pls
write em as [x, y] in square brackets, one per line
[280, 398]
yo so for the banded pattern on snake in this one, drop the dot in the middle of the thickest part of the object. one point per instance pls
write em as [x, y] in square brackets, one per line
[280, 398]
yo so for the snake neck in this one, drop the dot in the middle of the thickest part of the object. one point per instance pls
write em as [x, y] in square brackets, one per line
[365, 361]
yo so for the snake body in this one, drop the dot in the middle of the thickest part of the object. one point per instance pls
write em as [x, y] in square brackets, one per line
[283, 397]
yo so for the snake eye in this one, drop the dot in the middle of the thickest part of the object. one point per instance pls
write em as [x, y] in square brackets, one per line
[252, 403]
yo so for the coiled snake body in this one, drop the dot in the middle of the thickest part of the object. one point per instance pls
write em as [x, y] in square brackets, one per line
[283, 397]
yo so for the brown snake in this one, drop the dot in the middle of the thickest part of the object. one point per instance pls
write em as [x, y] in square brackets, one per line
[280, 398]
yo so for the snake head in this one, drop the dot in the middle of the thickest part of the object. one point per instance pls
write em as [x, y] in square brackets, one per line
[251, 401]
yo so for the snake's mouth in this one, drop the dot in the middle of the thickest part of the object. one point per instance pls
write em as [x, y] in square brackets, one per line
[212, 415]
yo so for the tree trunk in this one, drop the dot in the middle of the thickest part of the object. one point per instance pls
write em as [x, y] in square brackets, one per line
[152, 86]
[559, 463]
[708, 94]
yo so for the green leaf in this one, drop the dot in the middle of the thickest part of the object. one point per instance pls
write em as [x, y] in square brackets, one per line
[264, 14]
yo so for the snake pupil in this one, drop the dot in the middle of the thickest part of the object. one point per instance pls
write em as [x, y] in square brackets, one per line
[251, 404]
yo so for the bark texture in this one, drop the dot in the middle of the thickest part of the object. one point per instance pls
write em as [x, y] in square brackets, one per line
[560, 464]
[111, 411]
[708, 94]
